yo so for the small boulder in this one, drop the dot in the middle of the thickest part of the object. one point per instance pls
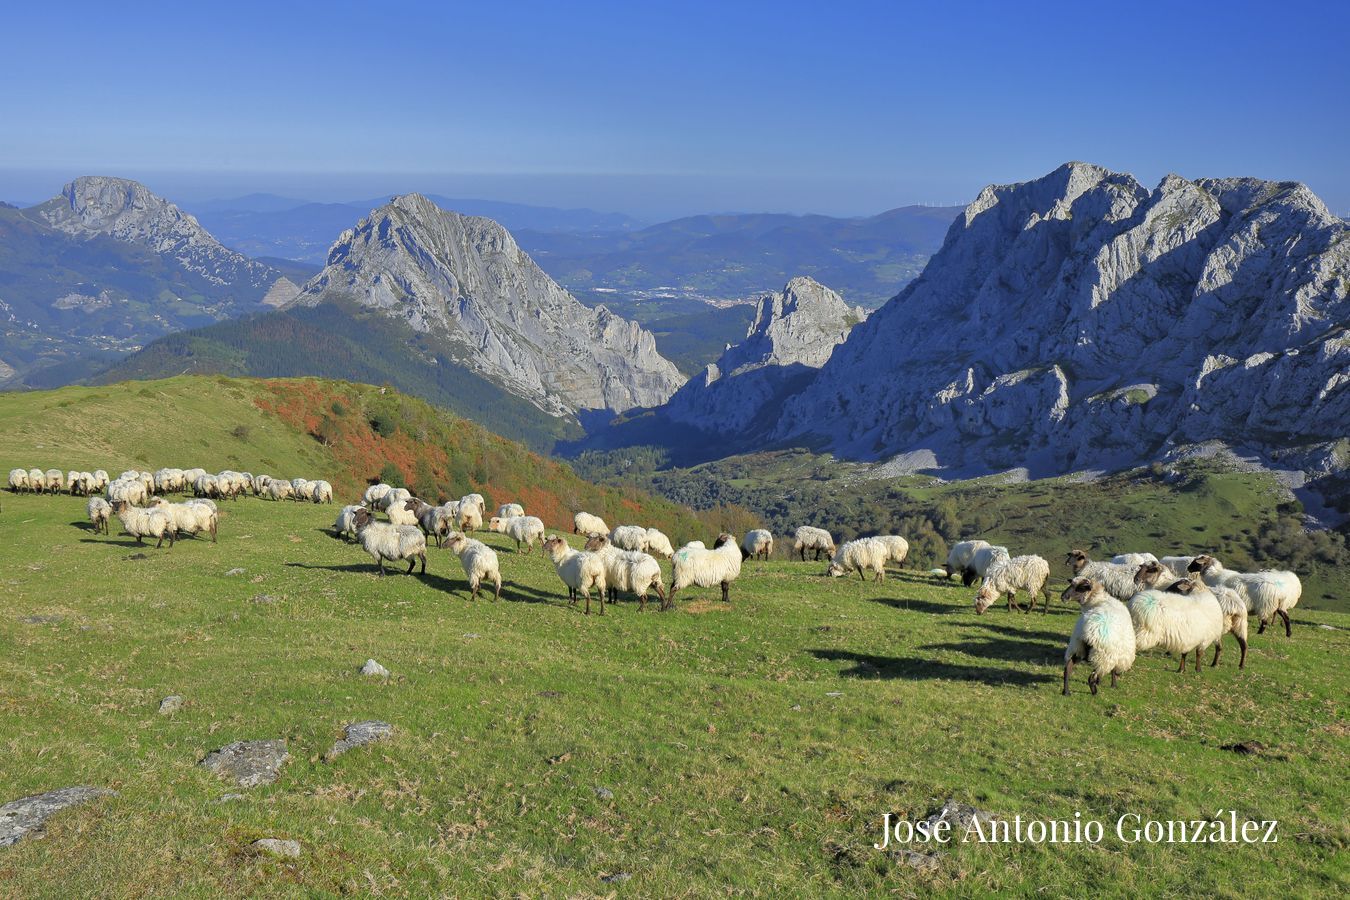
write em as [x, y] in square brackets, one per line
[922, 862]
[170, 705]
[616, 877]
[27, 815]
[276, 847]
[248, 763]
[233, 572]
[357, 734]
[604, 793]
[960, 816]
[374, 669]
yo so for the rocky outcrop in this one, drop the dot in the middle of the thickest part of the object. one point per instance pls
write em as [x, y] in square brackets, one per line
[792, 335]
[464, 277]
[1085, 321]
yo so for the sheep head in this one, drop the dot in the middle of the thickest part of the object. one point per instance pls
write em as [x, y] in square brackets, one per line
[455, 542]
[724, 538]
[597, 542]
[835, 570]
[1181, 586]
[1149, 574]
[1202, 563]
[1079, 589]
[985, 598]
[1076, 560]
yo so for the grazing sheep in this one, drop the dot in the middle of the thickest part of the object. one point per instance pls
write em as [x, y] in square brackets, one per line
[403, 512]
[56, 481]
[1116, 580]
[374, 494]
[1103, 636]
[658, 544]
[346, 520]
[300, 489]
[18, 480]
[959, 557]
[1133, 559]
[510, 510]
[860, 555]
[73, 483]
[99, 513]
[37, 481]
[145, 522]
[757, 543]
[981, 561]
[210, 486]
[320, 491]
[1267, 593]
[1008, 576]
[100, 479]
[132, 492]
[260, 483]
[477, 501]
[585, 523]
[898, 546]
[470, 516]
[431, 519]
[1177, 565]
[392, 497]
[808, 537]
[392, 542]
[1184, 618]
[627, 570]
[193, 517]
[479, 562]
[705, 568]
[1158, 575]
[578, 570]
[629, 537]
[521, 529]
[280, 490]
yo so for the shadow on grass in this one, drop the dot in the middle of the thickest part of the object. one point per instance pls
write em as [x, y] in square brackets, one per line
[867, 665]
[1003, 648]
[916, 605]
[121, 541]
[1014, 631]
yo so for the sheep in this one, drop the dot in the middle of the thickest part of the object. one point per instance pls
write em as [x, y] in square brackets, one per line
[404, 512]
[99, 513]
[1267, 593]
[142, 522]
[18, 480]
[345, 524]
[860, 554]
[132, 492]
[585, 523]
[508, 510]
[980, 563]
[658, 544]
[629, 537]
[260, 483]
[627, 570]
[1183, 618]
[37, 481]
[392, 542]
[1133, 559]
[56, 481]
[959, 557]
[100, 479]
[1158, 575]
[521, 529]
[147, 481]
[374, 494]
[1177, 565]
[898, 546]
[809, 538]
[475, 500]
[431, 519]
[73, 482]
[1103, 636]
[757, 543]
[279, 490]
[393, 497]
[1116, 580]
[470, 516]
[192, 517]
[210, 486]
[705, 568]
[578, 570]
[189, 477]
[479, 562]
[1008, 576]
[320, 491]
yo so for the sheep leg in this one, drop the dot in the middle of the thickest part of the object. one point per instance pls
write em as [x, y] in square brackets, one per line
[967, 577]
[380, 561]
[881, 574]
[1115, 677]
[1068, 669]
[861, 576]
[588, 602]
[1218, 648]
[1262, 629]
[1183, 663]
[1242, 644]
[668, 600]
[213, 532]
[726, 592]
[1288, 631]
[1093, 680]
[497, 585]
[1197, 660]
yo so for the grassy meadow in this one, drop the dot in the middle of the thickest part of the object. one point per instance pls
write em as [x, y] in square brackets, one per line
[749, 749]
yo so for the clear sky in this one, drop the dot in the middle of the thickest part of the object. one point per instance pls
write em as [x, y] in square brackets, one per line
[658, 109]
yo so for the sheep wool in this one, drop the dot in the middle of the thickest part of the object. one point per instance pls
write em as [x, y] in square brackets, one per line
[479, 562]
[18, 480]
[345, 523]
[521, 529]
[578, 570]
[898, 546]
[1133, 559]
[1116, 580]
[508, 510]
[981, 561]
[860, 555]
[629, 537]
[374, 494]
[658, 544]
[757, 544]
[1160, 576]
[1267, 594]
[142, 522]
[192, 517]
[1183, 619]
[960, 555]
[627, 570]
[391, 542]
[585, 523]
[1010, 575]
[320, 492]
[705, 568]
[99, 513]
[1103, 636]
[808, 537]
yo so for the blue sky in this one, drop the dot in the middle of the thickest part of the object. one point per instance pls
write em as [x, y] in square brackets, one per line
[663, 109]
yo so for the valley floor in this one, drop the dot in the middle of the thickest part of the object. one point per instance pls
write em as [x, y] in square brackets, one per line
[747, 749]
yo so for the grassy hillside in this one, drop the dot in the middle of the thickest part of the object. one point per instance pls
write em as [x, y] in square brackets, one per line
[347, 433]
[1198, 506]
[749, 749]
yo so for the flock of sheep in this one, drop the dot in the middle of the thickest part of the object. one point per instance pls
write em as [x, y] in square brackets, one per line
[1132, 603]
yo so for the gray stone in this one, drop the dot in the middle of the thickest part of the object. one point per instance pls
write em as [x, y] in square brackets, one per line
[923, 862]
[960, 816]
[358, 734]
[604, 793]
[233, 572]
[281, 849]
[42, 620]
[266, 599]
[616, 877]
[230, 798]
[248, 763]
[374, 669]
[170, 705]
[26, 816]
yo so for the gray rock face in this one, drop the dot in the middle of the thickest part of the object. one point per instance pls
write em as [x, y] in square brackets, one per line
[26, 816]
[465, 277]
[374, 669]
[1084, 321]
[277, 847]
[793, 334]
[248, 763]
[359, 734]
[170, 705]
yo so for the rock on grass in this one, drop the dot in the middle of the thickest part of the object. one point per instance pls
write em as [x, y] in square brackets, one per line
[27, 815]
[277, 847]
[357, 734]
[374, 669]
[248, 763]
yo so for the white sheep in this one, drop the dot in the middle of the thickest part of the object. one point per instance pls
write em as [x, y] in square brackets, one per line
[860, 555]
[100, 479]
[300, 488]
[37, 481]
[193, 517]
[260, 483]
[477, 501]
[320, 491]
[1116, 580]
[705, 568]
[579, 570]
[757, 543]
[469, 516]
[1267, 593]
[374, 494]
[479, 562]
[132, 492]
[18, 481]
[627, 570]
[404, 512]
[1177, 565]
[1182, 619]
[392, 542]
[658, 544]
[585, 523]
[959, 557]
[56, 481]
[99, 513]
[346, 520]
[1103, 636]
[73, 484]
[521, 529]
[1133, 559]
[808, 537]
[898, 546]
[629, 537]
[1008, 576]
[508, 510]
[1234, 607]
[141, 522]
[392, 497]
[981, 561]
[433, 520]
[279, 490]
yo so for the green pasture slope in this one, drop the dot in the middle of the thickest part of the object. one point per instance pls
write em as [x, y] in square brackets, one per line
[750, 749]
